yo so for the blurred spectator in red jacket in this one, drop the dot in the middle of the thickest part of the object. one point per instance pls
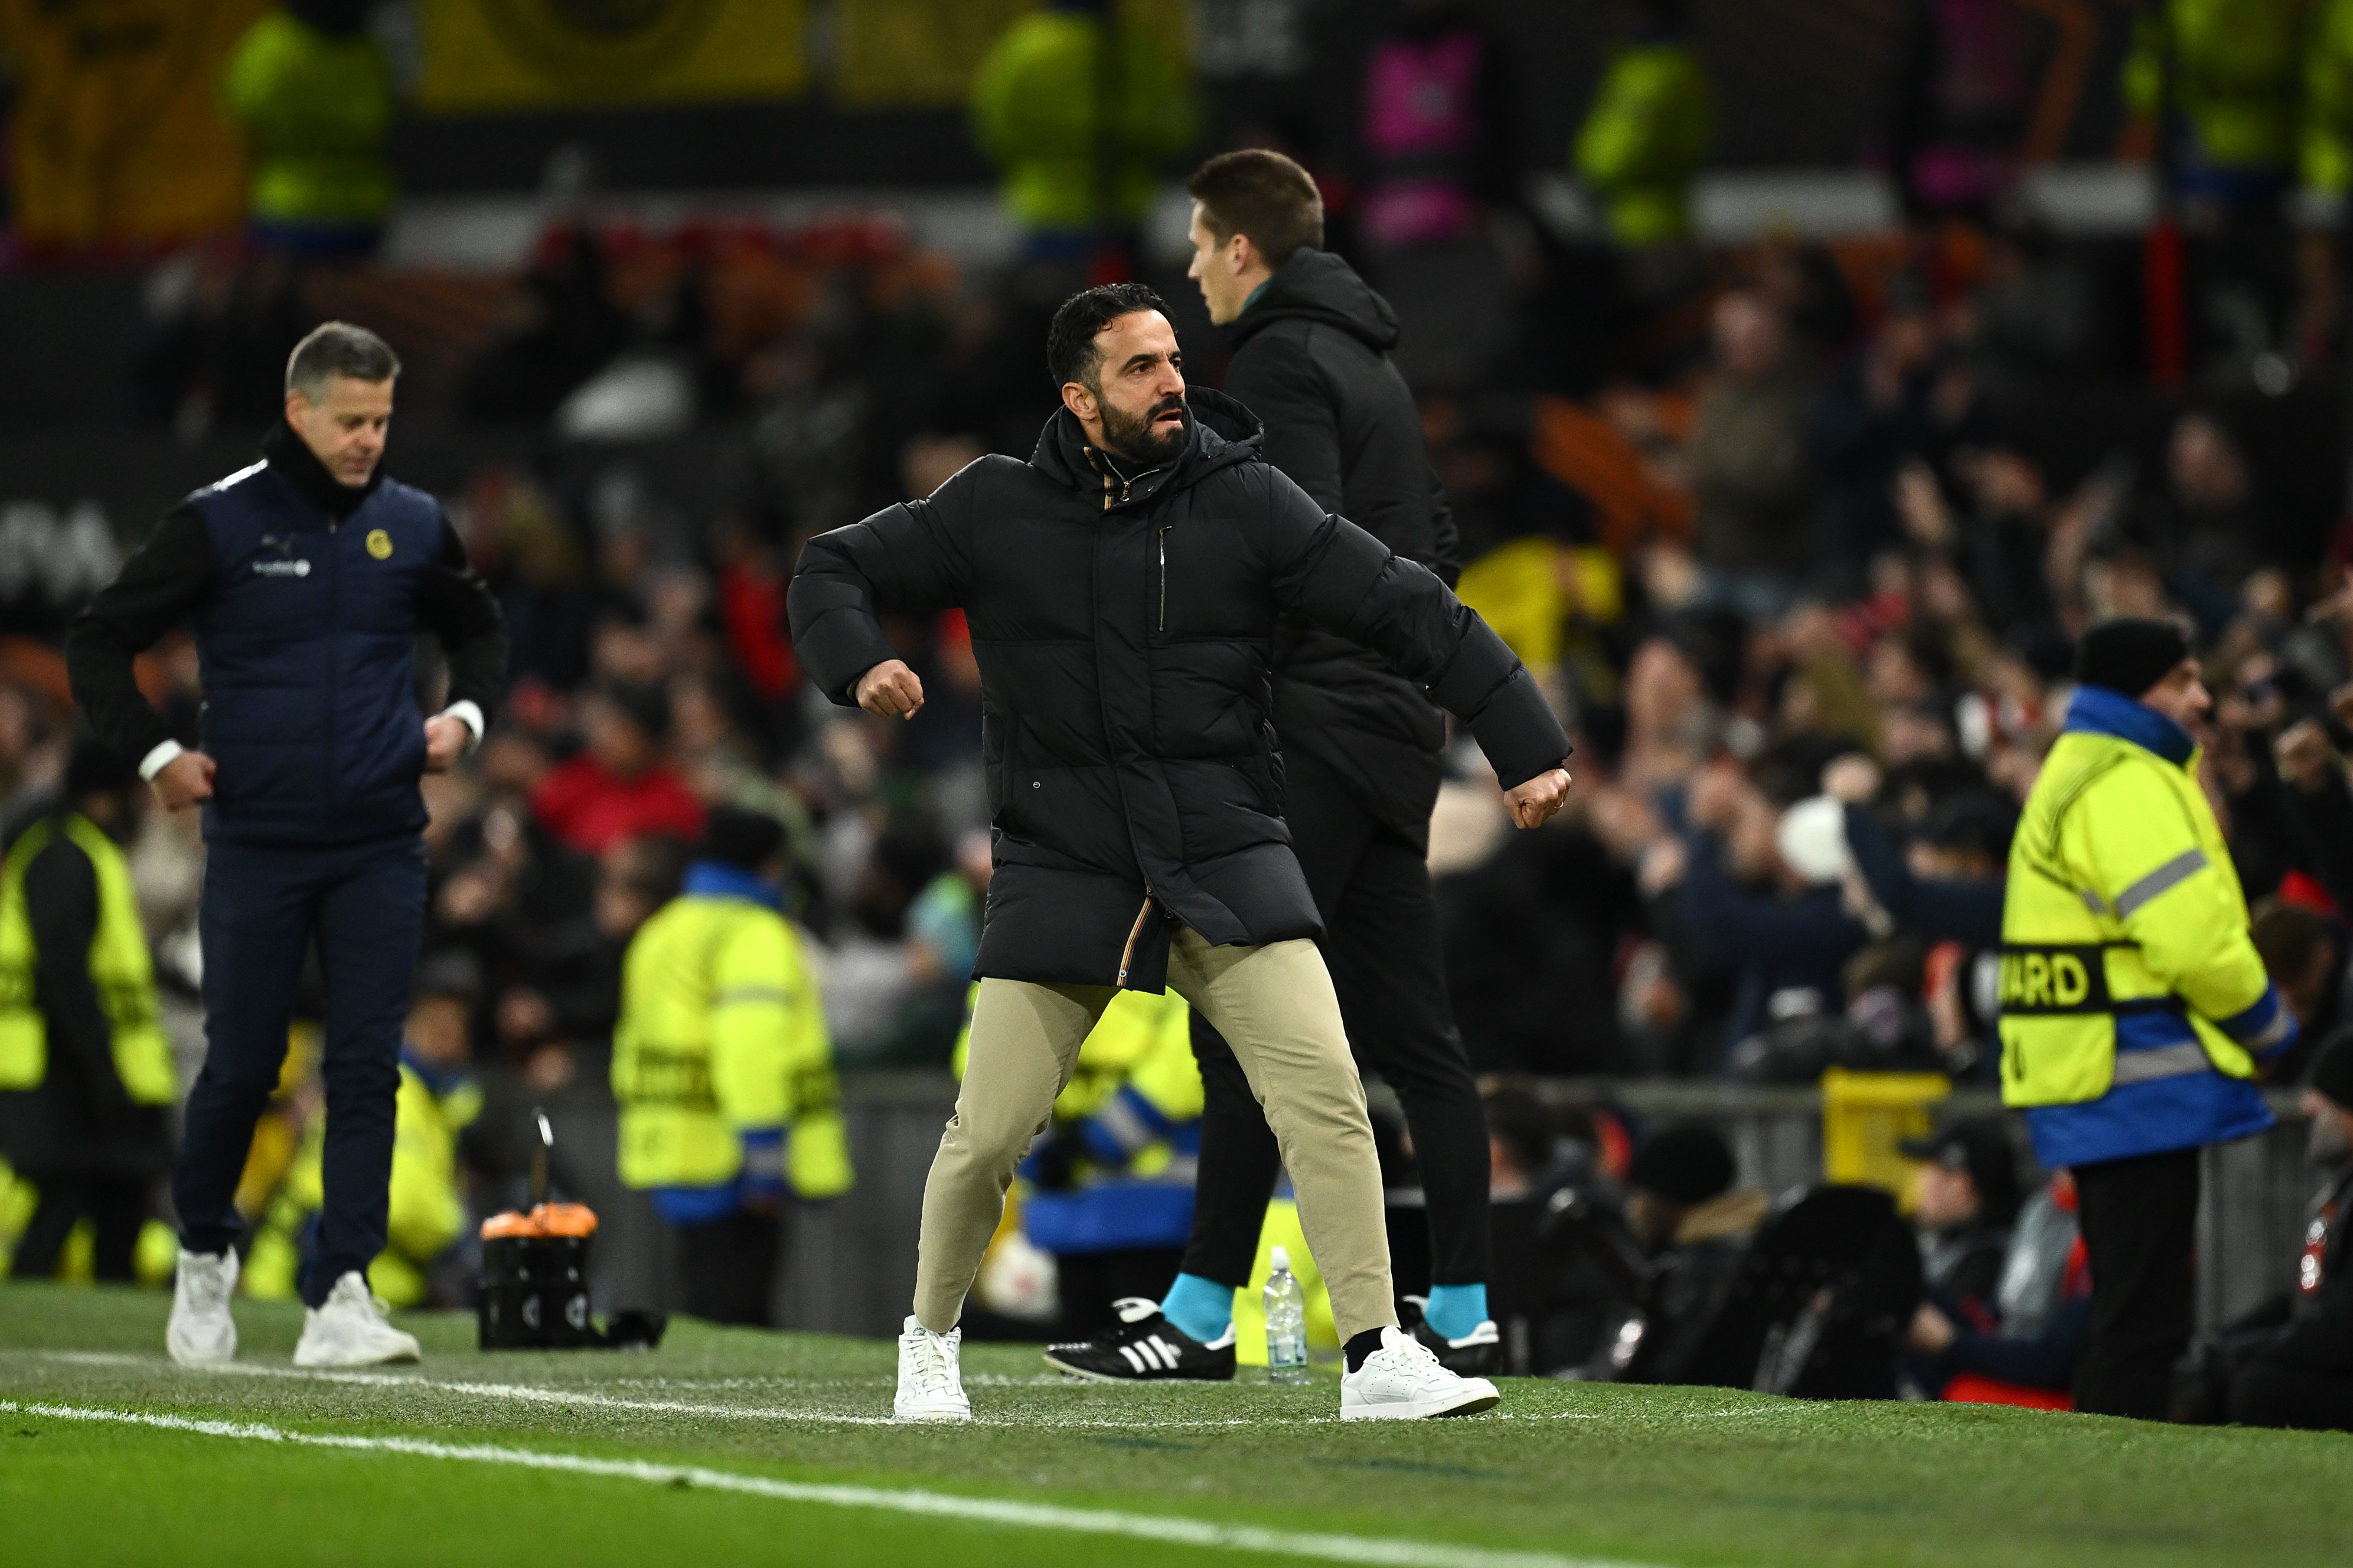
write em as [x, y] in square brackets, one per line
[621, 785]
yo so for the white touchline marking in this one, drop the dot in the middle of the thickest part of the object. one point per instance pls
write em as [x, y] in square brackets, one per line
[1179, 1531]
[537, 1394]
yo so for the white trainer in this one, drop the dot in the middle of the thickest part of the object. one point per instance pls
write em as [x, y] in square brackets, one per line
[1402, 1380]
[350, 1330]
[202, 1332]
[931, 1376]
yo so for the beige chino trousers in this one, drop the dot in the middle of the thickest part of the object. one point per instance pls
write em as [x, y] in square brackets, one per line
[1274, 1004]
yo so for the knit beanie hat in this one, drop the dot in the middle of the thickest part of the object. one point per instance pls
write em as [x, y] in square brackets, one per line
[2332, 1068]
[2129, 655]
[743, 838]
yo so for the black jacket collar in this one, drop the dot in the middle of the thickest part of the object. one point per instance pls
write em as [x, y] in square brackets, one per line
[285, 452]
[1221, 432]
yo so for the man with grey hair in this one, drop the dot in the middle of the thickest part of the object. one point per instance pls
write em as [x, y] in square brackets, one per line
[307, 577]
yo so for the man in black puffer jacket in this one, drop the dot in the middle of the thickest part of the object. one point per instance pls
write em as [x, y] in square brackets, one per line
[1125, 588]
[1360, 744]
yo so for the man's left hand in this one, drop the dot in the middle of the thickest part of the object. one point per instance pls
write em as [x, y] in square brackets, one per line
[1932, 1332]
[1536, 801]
[445, 742]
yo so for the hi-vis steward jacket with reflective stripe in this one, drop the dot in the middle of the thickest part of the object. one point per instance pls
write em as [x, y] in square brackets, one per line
[722, 1040]
[1134, 1102]
[2133, 1005]
[119, 967]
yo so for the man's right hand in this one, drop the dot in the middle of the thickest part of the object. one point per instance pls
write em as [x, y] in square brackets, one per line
[1534, 803]
[2302, 755]
[890, 690]
[183, 780]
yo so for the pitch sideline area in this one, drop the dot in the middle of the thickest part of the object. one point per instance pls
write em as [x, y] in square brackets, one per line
[727, 1448]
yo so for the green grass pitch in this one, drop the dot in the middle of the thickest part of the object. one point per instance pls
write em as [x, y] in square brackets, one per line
[728, 1449]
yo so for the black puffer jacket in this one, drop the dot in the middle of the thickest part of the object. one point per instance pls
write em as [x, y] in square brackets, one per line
[1124, 627]
[1311, 359]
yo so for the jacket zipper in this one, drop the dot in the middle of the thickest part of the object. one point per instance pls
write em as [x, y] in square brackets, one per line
[1135, 935]
[334, 656]
[1164, 577]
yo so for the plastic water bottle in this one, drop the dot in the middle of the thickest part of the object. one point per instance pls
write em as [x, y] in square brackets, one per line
[1286, 1323]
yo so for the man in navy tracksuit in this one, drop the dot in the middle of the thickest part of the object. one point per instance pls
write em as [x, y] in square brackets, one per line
[308, 576]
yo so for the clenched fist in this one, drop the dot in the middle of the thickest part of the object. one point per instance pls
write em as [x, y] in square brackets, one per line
[445, 742]
[184, 780]
[890, 690]
[1536, 801]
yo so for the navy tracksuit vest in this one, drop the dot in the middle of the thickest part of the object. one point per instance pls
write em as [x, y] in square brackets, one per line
[308, 643]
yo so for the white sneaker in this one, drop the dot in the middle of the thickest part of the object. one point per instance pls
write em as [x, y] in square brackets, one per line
[931, 1376]
[351, 1331]
[1402, 1380]
[201, 1333]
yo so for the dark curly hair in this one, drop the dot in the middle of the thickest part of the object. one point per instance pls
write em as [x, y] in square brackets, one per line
[1070, 342]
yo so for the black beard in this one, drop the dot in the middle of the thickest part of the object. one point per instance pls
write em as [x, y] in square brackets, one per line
[1136, 439]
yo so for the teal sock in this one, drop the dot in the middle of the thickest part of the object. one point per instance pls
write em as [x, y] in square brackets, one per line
[1201, 1308]
[1455, 1309]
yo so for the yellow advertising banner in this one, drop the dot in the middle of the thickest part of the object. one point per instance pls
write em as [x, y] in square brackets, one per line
[913, 54]
[489, 57]
[117, 134]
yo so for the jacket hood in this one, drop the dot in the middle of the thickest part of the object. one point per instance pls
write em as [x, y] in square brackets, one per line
[1317, 285]
[1220, 432]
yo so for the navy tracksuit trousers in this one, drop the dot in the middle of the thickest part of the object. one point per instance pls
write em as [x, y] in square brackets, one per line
[263, 906]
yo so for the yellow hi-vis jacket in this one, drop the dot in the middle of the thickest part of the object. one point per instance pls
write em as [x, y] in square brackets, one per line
[722, 1048]
[119, 968]
[2229, 70]
[427, 1201]
[1650, 129]
[2133, 1005]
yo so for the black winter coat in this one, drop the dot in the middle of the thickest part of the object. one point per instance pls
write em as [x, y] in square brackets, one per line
[1311, 359]
[1124, 626]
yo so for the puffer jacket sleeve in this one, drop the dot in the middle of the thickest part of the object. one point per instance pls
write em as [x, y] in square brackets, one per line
[1341, 578]
[909, 559]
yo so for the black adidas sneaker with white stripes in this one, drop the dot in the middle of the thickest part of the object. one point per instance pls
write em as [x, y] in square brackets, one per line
[1475, 1354]
[1145, 1347]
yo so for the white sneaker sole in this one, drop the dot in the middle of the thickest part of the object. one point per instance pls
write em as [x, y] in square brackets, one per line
[1469, 1401]
[1083, 1373]
[189, 1355]
[936, 1413]
[320, 1360]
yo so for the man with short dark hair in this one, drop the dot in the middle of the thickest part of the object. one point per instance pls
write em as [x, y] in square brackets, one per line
[1360, 748]
[1123, 587]
[308, 576]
